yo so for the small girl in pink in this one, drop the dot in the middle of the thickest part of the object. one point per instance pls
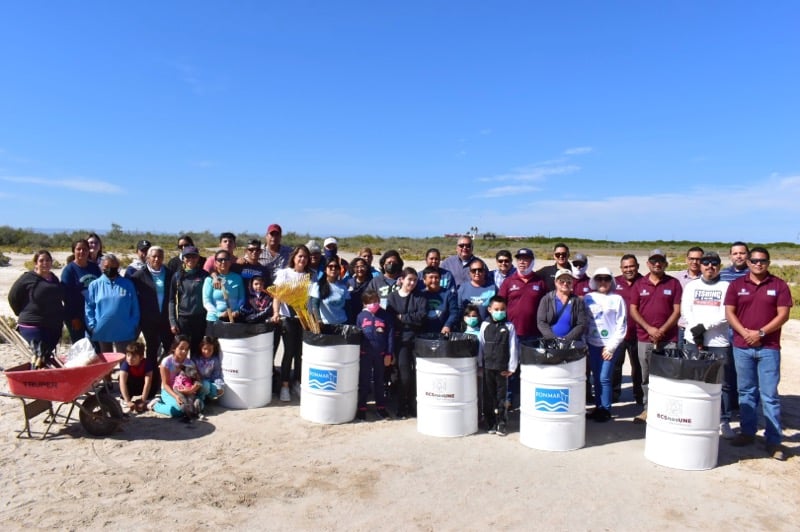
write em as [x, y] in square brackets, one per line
[171, 402]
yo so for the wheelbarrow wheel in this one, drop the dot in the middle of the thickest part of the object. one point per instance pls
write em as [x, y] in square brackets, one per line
[100, 414]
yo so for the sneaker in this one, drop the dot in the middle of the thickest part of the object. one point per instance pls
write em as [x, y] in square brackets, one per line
[296, 389]
[740, 440]
[501, 429]
[361, 415]
[285, 395]
[382, 414]
[726, 431]
[641, 419]
[491, 430]
[776, 451]
[153, 403]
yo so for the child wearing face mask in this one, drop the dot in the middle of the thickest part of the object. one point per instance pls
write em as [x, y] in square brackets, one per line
[498, 356]
[472, 320]
[377, 346]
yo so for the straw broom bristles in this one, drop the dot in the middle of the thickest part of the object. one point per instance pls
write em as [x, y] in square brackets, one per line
[295, 294]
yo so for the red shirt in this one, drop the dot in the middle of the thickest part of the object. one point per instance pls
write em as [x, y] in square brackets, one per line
[522, 302]
[756, 305]
[580, 287]
[656, 303]
[626, 292]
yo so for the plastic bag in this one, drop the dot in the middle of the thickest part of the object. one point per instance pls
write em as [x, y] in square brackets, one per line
[454, 345]
[81, 354]
[552, 351]
[703, 366]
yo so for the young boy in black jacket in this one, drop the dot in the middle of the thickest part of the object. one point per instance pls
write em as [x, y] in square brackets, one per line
[498, 356]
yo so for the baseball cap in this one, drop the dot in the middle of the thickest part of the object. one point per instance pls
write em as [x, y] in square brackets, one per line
[524, 252]
[274, 227]
[189, 250]
[657, 253]
[313, 246]
[562, 271]
[580, 257]
[711, 255]
[143, 245]
[330, 240]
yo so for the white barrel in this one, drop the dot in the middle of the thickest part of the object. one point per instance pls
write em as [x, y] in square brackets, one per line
[447, 396]
[247, 371]
[682, 423]
[553, 406]
[329, 383]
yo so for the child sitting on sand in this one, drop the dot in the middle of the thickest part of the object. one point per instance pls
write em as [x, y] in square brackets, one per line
[172, 402]
[135, 378]
[210, 369]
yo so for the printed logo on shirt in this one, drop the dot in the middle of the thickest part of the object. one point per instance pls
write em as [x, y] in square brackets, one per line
[708, 297]
[772, 293]
[668, 292]
[644, 292]
[744, 292]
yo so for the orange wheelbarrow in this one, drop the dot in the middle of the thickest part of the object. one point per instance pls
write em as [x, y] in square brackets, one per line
[99, 413]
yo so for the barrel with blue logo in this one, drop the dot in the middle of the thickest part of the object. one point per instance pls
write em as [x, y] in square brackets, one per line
[329, 378]
[447, 384]
[553, 396]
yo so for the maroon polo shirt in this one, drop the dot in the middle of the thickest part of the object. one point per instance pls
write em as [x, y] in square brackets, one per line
[522, 302]
[580, 287]
[756, 305]
[626, 292]
[656, 304]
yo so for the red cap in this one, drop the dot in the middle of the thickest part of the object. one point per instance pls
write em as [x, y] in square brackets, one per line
[274, 227]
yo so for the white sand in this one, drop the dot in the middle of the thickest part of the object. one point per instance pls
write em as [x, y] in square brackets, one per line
[268, 469]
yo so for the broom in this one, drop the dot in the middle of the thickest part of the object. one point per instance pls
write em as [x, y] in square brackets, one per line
[295, 294]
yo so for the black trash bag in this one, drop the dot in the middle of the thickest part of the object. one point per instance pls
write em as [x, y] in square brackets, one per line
[454, 345]
[551, 351]
[332, 335]
[232, 331]
[675, 364]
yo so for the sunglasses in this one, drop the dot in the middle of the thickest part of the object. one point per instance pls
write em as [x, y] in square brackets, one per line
[223, 259]
[465, 246]
[657, 261]
[332, 266]
[710, 262]
[578, 264]
[560, 255]
[603, 279]
[254, 250]
[503, 261]
[758, 261]
[477, 270]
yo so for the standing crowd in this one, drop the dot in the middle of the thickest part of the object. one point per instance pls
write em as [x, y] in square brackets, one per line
[735, 312]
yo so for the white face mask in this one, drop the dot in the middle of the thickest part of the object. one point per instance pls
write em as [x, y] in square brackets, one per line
[579, 272]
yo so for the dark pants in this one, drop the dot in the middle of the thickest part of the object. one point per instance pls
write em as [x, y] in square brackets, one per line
[495, 387]
[406, 366]
[46, 337]
[292, 333]
[157, 337]
[632, 348]
[75, 334]
[193, 326]
[370, 378]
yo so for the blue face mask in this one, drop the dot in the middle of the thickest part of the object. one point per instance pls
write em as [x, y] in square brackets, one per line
[330, 253]
[471, 321]
[498, 315]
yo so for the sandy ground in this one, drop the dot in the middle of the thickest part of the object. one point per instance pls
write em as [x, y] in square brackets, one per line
[267, 468]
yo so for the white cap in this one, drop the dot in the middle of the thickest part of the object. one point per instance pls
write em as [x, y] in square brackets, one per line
[330, 240]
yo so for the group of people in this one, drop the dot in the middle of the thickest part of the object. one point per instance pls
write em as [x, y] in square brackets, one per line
[737, 311]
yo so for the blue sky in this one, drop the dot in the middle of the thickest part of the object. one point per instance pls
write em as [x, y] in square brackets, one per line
[616, 120]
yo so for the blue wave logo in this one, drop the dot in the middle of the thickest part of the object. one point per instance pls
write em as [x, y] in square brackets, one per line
[322, 379]
[551, 399]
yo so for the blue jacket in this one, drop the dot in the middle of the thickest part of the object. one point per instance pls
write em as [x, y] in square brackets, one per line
[442, 311]
[112, 310]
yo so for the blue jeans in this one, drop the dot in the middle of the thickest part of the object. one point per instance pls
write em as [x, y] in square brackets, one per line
[602, 371]
[727, 399]
[758, 371]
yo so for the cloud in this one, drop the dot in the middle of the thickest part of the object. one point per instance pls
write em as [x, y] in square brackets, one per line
[532, 173]
[510, 190]
[580, 150]
[81, 185]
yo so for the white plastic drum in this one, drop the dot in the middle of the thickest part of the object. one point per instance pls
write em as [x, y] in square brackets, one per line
[329, 383]
[447, 396]
[682, 423]
[247, 371]
[553, 405]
